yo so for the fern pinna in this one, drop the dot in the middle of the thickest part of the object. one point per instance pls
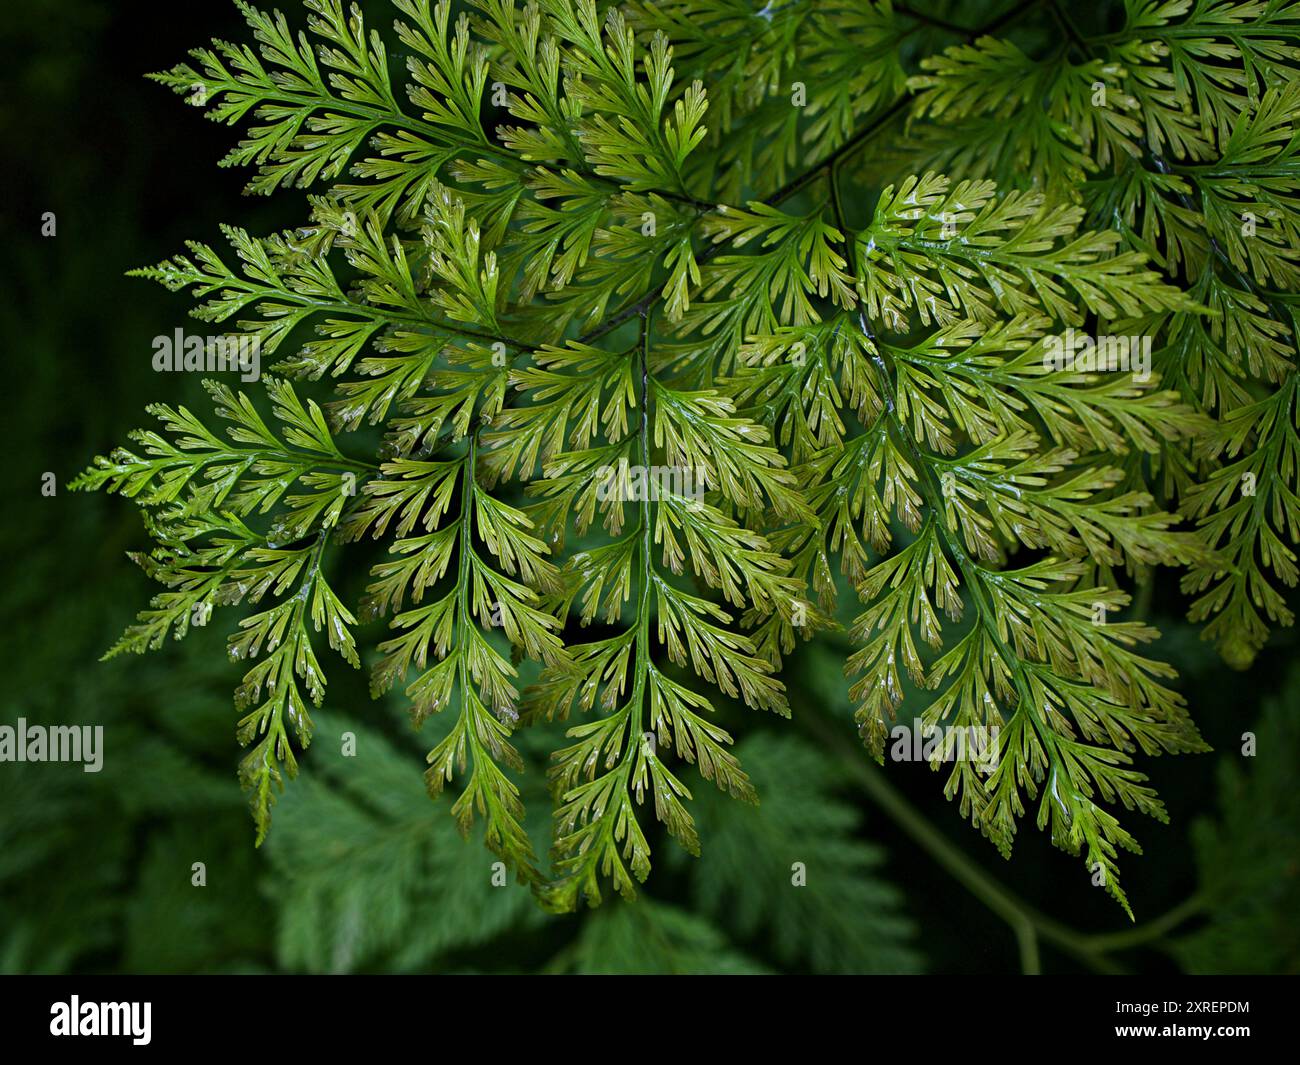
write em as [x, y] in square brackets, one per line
[685, 326]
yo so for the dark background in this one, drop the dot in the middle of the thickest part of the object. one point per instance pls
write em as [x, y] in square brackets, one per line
[95, 869]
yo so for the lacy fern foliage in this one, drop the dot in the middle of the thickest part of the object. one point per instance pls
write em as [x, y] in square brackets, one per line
[663, 337]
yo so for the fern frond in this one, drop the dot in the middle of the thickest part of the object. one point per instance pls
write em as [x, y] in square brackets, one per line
[682, 324]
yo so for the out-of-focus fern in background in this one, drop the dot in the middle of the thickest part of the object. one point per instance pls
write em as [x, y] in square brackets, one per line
[362, 872]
